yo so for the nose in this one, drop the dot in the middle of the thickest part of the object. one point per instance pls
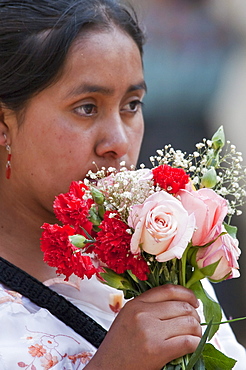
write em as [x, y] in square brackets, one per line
[113, 139]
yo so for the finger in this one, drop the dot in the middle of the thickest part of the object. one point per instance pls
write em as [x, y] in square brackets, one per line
[179, 346]
[169, 292]
[183, 325]
[168, 310]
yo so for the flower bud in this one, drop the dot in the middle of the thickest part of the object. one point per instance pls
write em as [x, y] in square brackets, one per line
[97, 196]
[78, 241]
[115, 280]
[218, 139]
[222, 254]
[209, 179]
[101, 211]
[94, 217]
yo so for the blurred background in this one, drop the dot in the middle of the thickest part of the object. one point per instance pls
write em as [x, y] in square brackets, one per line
[195, 68]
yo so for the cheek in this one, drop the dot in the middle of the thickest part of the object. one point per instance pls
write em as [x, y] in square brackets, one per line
[55, 163]
[135, 138]
[140, 128]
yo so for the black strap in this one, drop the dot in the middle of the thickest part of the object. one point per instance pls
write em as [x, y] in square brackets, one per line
[23, 283]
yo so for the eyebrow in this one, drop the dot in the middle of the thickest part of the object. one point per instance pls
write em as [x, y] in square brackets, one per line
[86, 88]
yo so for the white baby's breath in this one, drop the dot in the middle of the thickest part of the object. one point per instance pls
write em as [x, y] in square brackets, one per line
[126, 188]
[227, 162]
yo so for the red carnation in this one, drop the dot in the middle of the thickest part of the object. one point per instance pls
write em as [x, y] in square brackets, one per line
[170, 179]
[70, 208]
[60, 253]
[113, 247]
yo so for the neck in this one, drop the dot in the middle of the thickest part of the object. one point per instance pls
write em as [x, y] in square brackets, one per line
[20, 234]
[28, 259]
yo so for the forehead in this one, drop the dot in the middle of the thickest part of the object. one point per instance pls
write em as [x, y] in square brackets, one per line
[112, 40]
[109, 57]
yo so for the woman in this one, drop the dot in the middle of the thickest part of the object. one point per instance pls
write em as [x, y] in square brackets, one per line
[71, 92]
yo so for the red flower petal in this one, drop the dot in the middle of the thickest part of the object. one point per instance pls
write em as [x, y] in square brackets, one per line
[70, 208]
[60, 253]
[113, 247]
[170, 179]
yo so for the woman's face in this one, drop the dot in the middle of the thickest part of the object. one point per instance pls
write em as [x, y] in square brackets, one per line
[91, 114]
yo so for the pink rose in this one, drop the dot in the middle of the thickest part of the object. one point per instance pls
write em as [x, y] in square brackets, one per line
[225, 249]
[209, 209]
[162, 227]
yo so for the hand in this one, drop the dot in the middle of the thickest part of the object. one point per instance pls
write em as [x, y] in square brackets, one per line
[158, 326]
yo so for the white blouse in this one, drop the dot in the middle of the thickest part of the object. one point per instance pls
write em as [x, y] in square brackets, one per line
[31, 338]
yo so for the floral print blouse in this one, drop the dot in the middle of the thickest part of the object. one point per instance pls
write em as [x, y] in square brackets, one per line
[31, 338]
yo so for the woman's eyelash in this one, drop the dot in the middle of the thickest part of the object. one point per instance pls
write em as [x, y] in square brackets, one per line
[90, 108]
[86, 109]
[136, 103]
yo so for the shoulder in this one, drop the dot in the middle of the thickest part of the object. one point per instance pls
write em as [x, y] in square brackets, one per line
[7, 296]
[94, 298]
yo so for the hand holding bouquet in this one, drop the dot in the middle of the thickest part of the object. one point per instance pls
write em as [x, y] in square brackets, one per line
[138, 229]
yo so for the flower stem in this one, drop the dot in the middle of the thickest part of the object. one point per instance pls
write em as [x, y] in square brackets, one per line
[182, 267]
[224, 322]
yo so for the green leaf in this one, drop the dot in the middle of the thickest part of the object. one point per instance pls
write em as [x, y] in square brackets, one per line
[196, 356]
[222, 279]
[87, 234]
[199, 274]
[210, 269]
[232, 230]
[216, 360]
[134, 278]
[211, 309]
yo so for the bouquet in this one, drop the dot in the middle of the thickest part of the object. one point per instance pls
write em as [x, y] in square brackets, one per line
[140, 228]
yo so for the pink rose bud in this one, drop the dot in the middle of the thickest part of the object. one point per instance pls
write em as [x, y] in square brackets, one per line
[224, 249]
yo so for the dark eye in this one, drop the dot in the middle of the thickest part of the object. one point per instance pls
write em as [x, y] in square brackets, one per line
[86, 110]
[133, 106]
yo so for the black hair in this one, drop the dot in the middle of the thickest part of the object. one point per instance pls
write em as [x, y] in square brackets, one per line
[35, 36]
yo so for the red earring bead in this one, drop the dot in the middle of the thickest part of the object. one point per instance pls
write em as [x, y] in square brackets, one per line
[8, 164]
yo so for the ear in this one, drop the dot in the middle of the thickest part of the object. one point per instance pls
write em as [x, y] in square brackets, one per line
[4, 129]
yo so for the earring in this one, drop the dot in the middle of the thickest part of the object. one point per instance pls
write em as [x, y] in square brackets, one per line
[8, 164]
